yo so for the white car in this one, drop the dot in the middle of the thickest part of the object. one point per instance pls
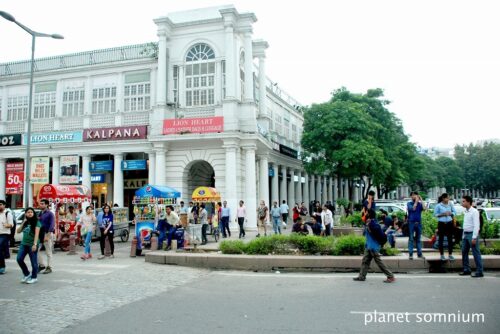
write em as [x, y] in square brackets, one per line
[390, 207]
[492, 214]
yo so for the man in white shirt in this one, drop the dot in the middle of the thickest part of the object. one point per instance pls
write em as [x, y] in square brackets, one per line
[327, 220]
[6, 223]
[470, 239]
[284, 212]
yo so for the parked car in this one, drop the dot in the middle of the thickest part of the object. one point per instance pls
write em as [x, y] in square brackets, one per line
[492, 214]
[19, 214]
[391, 207]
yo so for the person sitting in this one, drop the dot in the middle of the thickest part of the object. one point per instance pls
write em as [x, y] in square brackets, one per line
[299, 227]
[173, 223]
[161, 229]
[393, 231]
[316, 226]
[385, 219]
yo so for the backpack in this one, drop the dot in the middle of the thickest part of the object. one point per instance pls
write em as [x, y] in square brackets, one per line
[377, 233]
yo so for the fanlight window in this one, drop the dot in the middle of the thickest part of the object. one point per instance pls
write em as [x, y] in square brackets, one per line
[200, 52]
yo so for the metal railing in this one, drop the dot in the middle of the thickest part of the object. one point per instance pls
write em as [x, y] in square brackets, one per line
[87, 58]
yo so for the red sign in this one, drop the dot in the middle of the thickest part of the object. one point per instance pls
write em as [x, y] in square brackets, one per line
[193, 125]
[14, 178]
[64, 194]
[117, 133]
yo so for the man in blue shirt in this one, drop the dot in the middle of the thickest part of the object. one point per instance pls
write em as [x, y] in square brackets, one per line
[368, 204]
[445, 212]
[415, 208]
[225, 217]
[372, 249]
[47, 219]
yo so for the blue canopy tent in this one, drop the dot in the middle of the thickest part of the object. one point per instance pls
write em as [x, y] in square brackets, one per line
[157, 192]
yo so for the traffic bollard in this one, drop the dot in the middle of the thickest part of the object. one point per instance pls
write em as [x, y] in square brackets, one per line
[154, 243]
[107, 247]
[72, 244]
[133, 247]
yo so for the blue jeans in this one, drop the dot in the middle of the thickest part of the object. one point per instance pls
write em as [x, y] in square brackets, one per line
[415, 230]
[88, 241]
[276, 225]
[162, 236]
[4, 242]
[225, 226]
[391, 237]
[23, 251]
[466, 245]
[170, 235]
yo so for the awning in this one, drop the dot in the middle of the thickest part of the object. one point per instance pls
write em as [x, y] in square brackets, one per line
[157, 192]
[206, 194]
[64, 193]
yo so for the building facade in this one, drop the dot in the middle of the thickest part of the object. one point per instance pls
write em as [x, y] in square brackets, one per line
[194, 108]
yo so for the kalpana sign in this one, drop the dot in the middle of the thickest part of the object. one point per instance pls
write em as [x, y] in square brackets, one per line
[116, 133]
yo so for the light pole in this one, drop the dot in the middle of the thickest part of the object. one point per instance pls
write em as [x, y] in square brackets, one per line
[34, 35]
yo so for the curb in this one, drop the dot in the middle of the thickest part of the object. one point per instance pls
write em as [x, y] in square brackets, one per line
[304, 263]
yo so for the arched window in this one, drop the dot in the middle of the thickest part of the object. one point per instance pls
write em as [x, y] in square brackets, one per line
[200, 76]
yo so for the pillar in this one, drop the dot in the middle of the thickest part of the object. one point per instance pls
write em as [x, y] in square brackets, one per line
[2, 178]
[318, 188]
[298, 188]
[283, 189]
[325, 191]
[151, 167]
[335, 189]
[306, 190]
[312, 189]
[230, 178]
[275, 196]
[291, 189]
[230, 61]
[161, 78]
[346, 189]
[262, 86]
[249, 70]
[118, 180]
[160, 152]
[56, 169]
[86, 179]
[330, 189]
[250, 187]
[264, 179]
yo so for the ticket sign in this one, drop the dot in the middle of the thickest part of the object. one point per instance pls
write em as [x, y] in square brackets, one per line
[193, 125]
[14, 178]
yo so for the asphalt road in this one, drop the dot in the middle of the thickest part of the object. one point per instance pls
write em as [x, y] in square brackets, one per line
[127, 295]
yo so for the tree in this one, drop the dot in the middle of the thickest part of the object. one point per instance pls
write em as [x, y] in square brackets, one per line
[452, 176]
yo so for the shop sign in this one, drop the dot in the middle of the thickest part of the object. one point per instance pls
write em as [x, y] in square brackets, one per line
[101, 165]
[193, 125]
[285, 150]
[55, 137]
[70, 166]
[276, 146]
[271, 172]
[116, 133]
[134, 165]
[134, 183]
[95, 178]
[10, 140]
[14, 178]
[39, 170]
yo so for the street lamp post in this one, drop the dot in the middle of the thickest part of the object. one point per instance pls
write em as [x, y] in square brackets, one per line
[34, 35]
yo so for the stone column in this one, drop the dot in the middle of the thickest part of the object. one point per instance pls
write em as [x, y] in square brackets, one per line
[330, 189]
[230, 177]
[283, 189]
[262, 86]
[275, 196]
[346, 189]
[160, 152]
[118, 180]
[291, 189]
[249, 69]
[161, 78]
[2, 178]
[306, 190]
[86, 179]
[312, 189]
[335, 189]
[318, 189]
[298, 188]
[56, 169]
[152, 167]
[250, 186]
[230, 61]
[324, 193]
[264, 179]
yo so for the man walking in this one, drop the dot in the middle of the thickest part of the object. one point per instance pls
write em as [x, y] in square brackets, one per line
[276, 215]
[225, 216]
[372, 249]
[444, 212]
[241, 215]
[470, 238]
[6, 223]
[327, 219]
[48, 222]
[415, 208]
[284, 212]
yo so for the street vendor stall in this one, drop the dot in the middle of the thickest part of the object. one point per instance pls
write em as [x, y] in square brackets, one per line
[210, 197]
[61, 197]
[150, 202]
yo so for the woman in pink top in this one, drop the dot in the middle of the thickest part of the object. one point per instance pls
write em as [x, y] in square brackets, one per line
[241, 217]
[87, 221]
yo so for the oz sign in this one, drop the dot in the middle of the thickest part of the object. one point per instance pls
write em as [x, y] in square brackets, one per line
[10, 140]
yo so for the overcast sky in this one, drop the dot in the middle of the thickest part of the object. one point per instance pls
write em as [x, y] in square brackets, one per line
[438, 61]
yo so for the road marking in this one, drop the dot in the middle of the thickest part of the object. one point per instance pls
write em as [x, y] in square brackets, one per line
[343, 276]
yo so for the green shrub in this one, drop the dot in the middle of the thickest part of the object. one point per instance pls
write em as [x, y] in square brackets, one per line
[311, 244]
[429, 224]
[232, 247]
[349, 245]
[354, 220]
[494, 249]
[388, 251]
[343, 202]
[490, 230]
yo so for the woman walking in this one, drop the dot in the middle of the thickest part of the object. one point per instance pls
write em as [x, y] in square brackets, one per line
[29, 246]
[86, 222]
[262, 217]
[107, 231]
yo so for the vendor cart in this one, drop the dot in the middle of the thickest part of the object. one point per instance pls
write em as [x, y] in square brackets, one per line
[121, 223]
[150, 202]
[61, 197]
[210, 197]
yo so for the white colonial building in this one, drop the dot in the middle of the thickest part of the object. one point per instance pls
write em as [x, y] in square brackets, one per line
[193, 109]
